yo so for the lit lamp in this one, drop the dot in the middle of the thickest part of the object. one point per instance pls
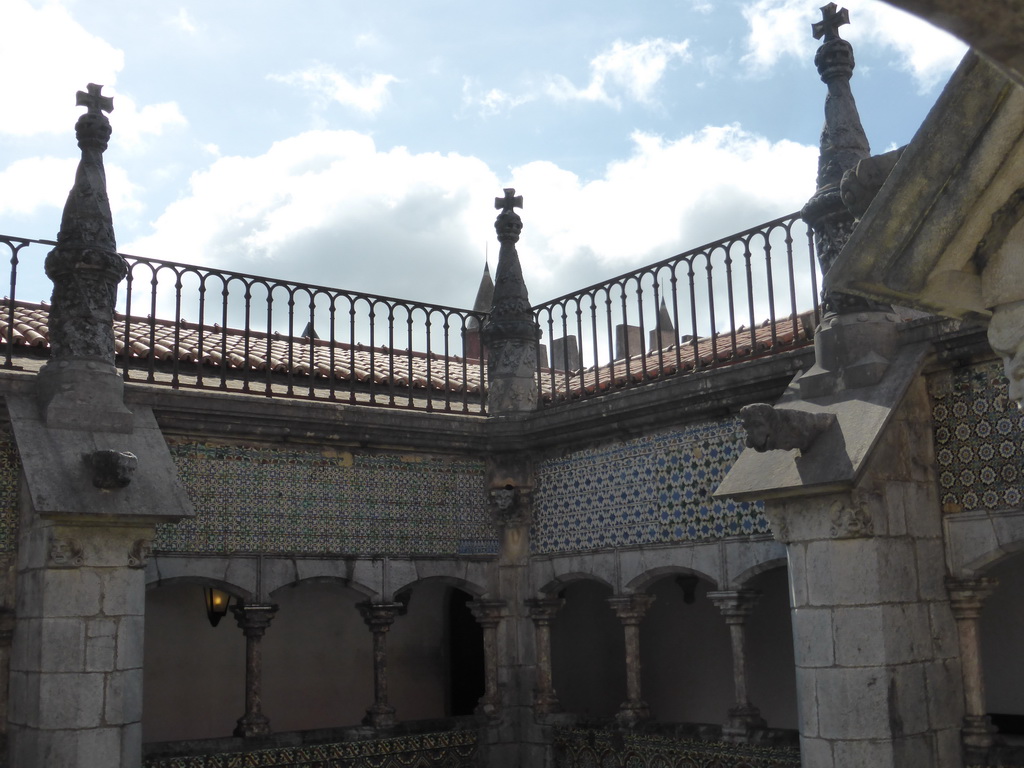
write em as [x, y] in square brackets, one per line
[217, 602]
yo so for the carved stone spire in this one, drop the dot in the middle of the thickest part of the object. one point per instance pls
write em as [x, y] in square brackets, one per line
[484, 295]
[510, 333]
[85, 269]
[843, 145]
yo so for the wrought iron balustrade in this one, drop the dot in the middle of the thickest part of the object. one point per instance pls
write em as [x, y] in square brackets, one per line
[750, 294]
[258, 335]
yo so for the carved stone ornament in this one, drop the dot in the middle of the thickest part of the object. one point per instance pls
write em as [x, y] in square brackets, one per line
[511, 506]
[65, 553]
[140, 553]
[769, 428]
[1006, 337]
[111, 469]
[851, 520]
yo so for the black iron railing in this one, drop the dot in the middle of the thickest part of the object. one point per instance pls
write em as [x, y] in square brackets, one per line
[750, 294]
[257, 335]
[747, 295]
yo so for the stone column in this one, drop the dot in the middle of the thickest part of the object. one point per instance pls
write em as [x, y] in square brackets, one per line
[379, 617]
[253, 620]
[543, 612]
[631, 610]
[736, 606]
[966, 597]
[488, 614]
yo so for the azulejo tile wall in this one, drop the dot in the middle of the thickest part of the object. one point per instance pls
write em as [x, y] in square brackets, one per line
[979, 439]
[10, 472]
[654, 489]
[269, 500]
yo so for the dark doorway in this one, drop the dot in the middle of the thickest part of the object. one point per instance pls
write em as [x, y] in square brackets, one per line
[465, 655]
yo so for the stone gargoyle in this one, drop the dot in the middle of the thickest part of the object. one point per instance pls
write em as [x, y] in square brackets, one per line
[770, 428]
[111, 469]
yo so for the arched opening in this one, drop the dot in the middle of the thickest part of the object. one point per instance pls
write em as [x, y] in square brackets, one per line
[193, 673]
[588, 651]
[317, 658]
[1002, 636]
[685, 653]
[465, 655]
[435, 653]
[770, 662]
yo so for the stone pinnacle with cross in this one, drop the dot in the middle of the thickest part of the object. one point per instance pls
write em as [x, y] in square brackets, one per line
[831, 20]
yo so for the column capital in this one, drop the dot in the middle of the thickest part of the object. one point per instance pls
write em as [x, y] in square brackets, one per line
[544, 609]
[380, 616]
[631, 609]
[254, 618]
[966, 596]
[735, 604]
[488, 612]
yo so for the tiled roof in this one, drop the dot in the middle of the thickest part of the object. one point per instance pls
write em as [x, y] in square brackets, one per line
[214, 346]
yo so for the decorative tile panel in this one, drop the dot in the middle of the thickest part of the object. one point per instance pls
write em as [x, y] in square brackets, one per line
[268, 500]
[979, 439]
[447, 749]
[655, 489]
[581, 748]
[10, 474]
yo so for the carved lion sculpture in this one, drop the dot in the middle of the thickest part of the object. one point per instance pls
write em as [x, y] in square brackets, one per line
[769, 428]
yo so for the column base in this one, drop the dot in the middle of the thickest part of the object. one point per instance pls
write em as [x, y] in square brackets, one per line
[380, 716]
[978, 735]
[743, 719]
[252, 726]
[632, 713]
[488, 708]
[546, 704]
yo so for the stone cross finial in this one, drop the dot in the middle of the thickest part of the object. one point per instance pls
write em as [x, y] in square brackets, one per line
[509, 201]
[94, 101]
[831, 21]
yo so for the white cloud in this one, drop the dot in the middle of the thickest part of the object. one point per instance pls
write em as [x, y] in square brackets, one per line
[49, 76]
[494, 101]
[34, 183]
[780, 28]
[329, 207]
[632, 68]
[368, 95]
[184, 22]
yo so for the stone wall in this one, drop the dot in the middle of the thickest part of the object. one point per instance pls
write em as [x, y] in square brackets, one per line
[286, 500]
[654, 489]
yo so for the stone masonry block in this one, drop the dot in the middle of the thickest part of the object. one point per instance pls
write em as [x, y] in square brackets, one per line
[123, 702]
[853, 703]
[931, 569]
[813, 643]
[101, 746]
[944, 633]
[945, 694]
[798, 593]
[807, 701]
[71, 700]
[100, 645]
[948, 748]
[108, 546]
[63, 645]
[131, 744]
[816, 752]
[70, 592]
[882, 635]
[23, 704]
[921, 508]
[130, 635]
[26, 649]
[124, 592]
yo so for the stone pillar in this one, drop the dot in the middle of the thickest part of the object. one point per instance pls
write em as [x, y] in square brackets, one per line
[966, 597]
[379, 617]
[488, 614]
[253, 619]
[631, 610]
[736, 606]
[543, 611]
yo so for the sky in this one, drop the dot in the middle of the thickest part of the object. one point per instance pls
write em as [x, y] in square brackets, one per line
[360, 145]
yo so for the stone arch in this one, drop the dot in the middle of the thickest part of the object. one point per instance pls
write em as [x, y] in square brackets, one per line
[1001, 634]
[218, 572]
[235, 590]
[355, 586]
[743, 579]
[456, 582]
[563, 580]
[986, 562]
[649, 577]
